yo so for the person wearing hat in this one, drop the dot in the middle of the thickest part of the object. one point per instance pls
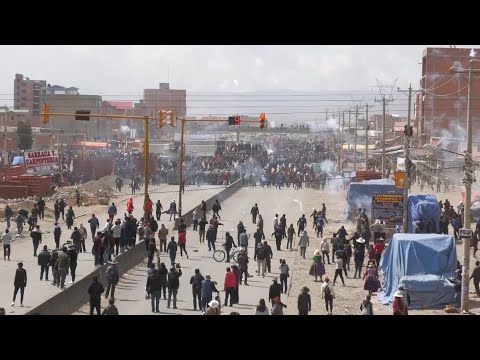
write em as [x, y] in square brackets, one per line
[303, 243]
[318, 267]
[406, 295]
[111, 309]
[113, 276]
[379, 246]
[44, 261]
[304, 303]
[275, 290]
[278, 306]
[62, 264]
[372, 284]
[213, 308]
[208, 287]
[398, 304]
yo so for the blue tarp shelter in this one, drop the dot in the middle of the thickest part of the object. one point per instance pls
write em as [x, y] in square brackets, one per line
[423, 207]
[359, 194]
[18, 160]
[423, 263]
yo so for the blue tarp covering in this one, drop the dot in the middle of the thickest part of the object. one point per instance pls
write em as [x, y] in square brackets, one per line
[359, 194]
[423, 207]
[422, 263]
[18, 160]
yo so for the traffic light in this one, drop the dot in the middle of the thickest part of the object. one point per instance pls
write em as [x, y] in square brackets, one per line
[262, 124]
[45, 114]
[144, 152]
[161, 119]
[237, 120]
[231, 120]
[171, 118]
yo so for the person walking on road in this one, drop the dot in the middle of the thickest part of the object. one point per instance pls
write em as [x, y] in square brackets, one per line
[20, 220]
[95, 291]
[158, 210]
[173, 283]
[73, 254]
[254, 211]
[54, 265]
[278, 233]
[275, 290]
[243, 265]
[290, 234]
[112, 212]
[61, 206]
[301, 223]
[229, 243]
[36, 239]
[70, 217]
[269, 257]
[111, 309]
[304, 303]
[6, 240]
[113, 276]
[94, 225]
[162, 236]
[262, 308]
[173, 210]
[83, 237]
[284, 274]
[201, 230]
[57, 232]
[261, 254]
[152, 250]
[182, 243]
[277, 308]
[76, 238]
[154, 289]
[303, 243]
[41, 209]
[44, 262]
[172, 250]
[260, 225]
[117, 234]
[328, 293]
[162, 273]
[476, 277]
[208, 287]
[63, 263]
[211, 238]
[338, 270]
[216, 208]
[8, 215]
[318, 266]
[196, 282]
[325, 247]
[19, 283]
[195, 218]
[229, 285]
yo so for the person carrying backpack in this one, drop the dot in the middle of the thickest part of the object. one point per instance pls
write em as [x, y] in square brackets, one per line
[328, 293]
[367, 307]
[261, 254]
[196, 282]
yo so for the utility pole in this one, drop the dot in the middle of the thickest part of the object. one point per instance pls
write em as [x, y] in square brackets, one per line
[384, 102]
[349, 115]
[406, 149]
[469, 171]
[366, 137]
[355, 140]
[342, 140]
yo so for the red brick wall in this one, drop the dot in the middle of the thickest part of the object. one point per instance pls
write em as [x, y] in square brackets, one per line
[13, 192]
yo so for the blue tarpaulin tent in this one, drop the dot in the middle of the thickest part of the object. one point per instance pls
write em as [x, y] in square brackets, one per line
[359, 195]
[423, 207]
[423, 263]
[18, 160]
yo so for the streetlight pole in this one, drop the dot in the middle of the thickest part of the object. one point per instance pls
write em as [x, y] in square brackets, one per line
[366, 138]
[180, 177]
[5, 153]
[355, 140]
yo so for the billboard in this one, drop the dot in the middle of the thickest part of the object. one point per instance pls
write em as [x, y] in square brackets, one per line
[389, 208]
[42, 161]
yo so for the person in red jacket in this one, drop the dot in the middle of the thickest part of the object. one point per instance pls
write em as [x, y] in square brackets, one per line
[379, 246]
[229, 286]
[182, 242]
[238, 276]
[148, 208]
[130, 206]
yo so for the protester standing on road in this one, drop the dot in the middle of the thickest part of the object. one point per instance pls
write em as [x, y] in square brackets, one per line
[278, 233]
[196, 282]
[284, 274]
[95, 290]
[54, 265]
[112, 212]
[76, 238]
[278, 306]
[6, 240]
[154, 289]
[44, 261]
[302, 223]
[275, 290]
[94, 225]
[158, 210]
[304, 303]
[73, 254]
[229, 285]
[83, 237]
[172, 250]
[70, 216]
[162, 236]
[130, 206]
[261, 254]
[208, 287]
[328, 293]
[195, 218]
[173, 284]
[359, 257]
[216, 208]
[63, 263]
[229, 243]
[173, 210]
[201, 231]
[20, 220]
[260, 225]
[162, 273]
[269, 257]
[254, 211]
[318, 266]
[303, 243]
[152, 250]
[243, 265]
[20, 282]
[117, 234]
[211, 238]
[8, 215]
[338, 270]
[36, 239]
[56, 210]
[262, 308]
[476, 277]
[113, 276]
[325, 247]
[41, 208]
[111, 309]
[290, 234]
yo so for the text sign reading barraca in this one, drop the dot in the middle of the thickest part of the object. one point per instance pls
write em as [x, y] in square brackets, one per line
[389, 208]
[42, 161]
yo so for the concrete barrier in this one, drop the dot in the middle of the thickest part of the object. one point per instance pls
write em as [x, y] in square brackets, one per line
[75, 296]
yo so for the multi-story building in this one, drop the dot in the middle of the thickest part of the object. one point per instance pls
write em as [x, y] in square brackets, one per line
[441, 106]
[162, 98]
[28, 94]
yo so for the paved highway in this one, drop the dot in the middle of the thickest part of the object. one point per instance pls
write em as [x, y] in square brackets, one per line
[38, 291]
[130, 293]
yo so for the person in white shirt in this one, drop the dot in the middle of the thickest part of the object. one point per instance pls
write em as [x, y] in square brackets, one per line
[275, 222]
[325, 247]
[6, 239]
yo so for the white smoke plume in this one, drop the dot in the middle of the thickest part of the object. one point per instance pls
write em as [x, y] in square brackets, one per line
[125, 129]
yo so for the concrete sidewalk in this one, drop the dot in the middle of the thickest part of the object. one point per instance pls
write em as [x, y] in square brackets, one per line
[38, 291]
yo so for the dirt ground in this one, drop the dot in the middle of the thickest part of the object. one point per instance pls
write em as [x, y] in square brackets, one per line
[349, 297]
